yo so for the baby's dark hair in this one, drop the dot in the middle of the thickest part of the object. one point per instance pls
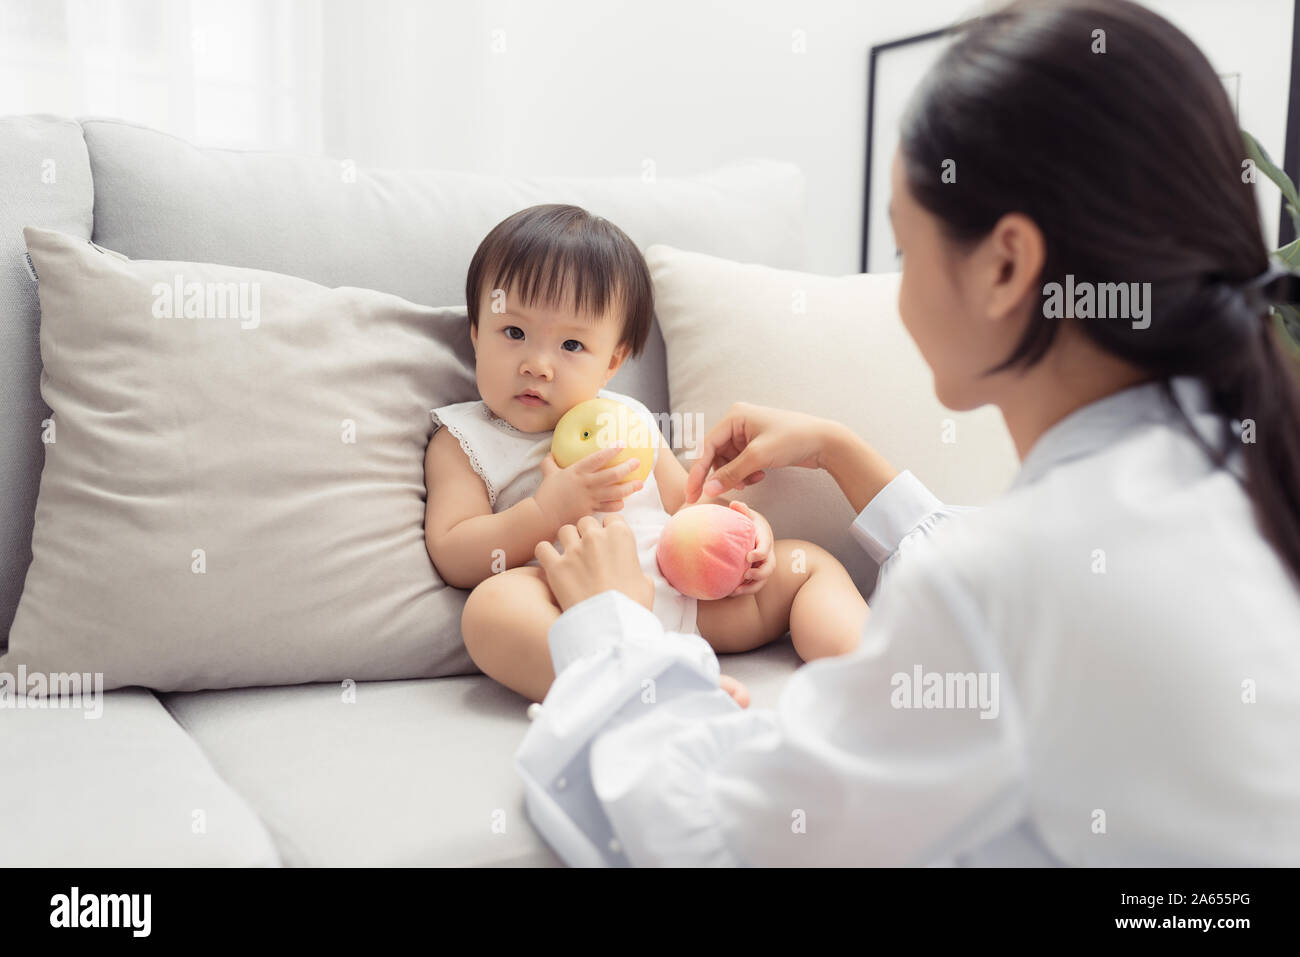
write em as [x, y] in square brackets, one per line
[563, 255]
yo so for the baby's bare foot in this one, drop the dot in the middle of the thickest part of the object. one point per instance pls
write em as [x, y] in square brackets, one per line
[734, 688]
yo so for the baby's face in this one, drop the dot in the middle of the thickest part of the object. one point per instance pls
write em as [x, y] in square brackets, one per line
[564, 357]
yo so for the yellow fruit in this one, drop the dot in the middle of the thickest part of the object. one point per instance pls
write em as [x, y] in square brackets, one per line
[597, 424]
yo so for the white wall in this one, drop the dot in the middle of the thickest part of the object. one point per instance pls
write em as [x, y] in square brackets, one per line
[578, 87]
[593, 87]
[1253, 38]
[599, 87]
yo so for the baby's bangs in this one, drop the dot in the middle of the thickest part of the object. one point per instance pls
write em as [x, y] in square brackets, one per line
[562, 269]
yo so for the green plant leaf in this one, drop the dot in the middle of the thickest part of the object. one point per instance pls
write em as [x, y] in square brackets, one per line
[1290, 253]
[1278, 176]
[1289, 319]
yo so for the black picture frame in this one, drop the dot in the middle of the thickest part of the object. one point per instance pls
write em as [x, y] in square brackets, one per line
[873, 61]
[1291, 151]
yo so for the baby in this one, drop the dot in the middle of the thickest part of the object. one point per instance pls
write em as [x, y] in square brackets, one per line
[558, 300]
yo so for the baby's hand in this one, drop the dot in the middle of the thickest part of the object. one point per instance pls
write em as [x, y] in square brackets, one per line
[762, 559]
[586, 486]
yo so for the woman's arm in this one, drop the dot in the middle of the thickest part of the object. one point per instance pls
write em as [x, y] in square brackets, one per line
[859, 470]
[638, 757]
[752, 439]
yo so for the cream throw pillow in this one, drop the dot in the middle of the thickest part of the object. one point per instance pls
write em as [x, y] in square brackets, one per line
[829, 346]
[240, 500]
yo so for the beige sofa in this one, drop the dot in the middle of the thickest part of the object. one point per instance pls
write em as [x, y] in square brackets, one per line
[417, 772]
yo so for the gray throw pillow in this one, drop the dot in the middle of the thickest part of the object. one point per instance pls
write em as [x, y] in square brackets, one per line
[233, 491]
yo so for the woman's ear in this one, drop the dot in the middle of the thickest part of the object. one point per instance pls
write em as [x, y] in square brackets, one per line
[1016, 253]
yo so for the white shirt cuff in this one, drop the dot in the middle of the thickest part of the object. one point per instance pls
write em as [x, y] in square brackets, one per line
[897, 509]
[596, 623]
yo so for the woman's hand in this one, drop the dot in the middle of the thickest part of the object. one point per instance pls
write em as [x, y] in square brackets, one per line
[762, 560]
[596, 558]
[751, 439]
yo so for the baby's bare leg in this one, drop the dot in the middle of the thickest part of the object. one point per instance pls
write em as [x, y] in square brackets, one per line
[809, 593]
[505, 624]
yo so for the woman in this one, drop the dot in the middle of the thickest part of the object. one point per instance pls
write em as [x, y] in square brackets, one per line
[1103, 666]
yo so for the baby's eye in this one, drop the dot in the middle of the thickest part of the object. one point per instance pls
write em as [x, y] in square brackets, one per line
[510, 329]
[566, 344]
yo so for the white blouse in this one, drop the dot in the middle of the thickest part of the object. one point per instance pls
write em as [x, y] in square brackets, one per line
[1100, 668]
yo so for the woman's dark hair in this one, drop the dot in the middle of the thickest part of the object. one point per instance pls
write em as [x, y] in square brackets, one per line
[1130, 162]
[563, 255]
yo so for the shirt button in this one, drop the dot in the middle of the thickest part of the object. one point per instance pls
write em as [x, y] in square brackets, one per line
[560, 783]
[614, 846]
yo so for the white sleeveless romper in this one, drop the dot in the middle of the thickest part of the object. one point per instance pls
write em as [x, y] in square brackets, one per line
[510, 464]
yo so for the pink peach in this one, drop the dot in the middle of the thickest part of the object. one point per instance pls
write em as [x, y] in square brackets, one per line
[704, 550]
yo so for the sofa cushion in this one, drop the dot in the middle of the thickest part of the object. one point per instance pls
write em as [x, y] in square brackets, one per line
[126, 789]
[843, 354]
[44, 181]
[411, 232]
[235, 494]
[406, 773]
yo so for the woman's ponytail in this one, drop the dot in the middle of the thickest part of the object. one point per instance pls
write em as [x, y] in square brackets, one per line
[1267, 402]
